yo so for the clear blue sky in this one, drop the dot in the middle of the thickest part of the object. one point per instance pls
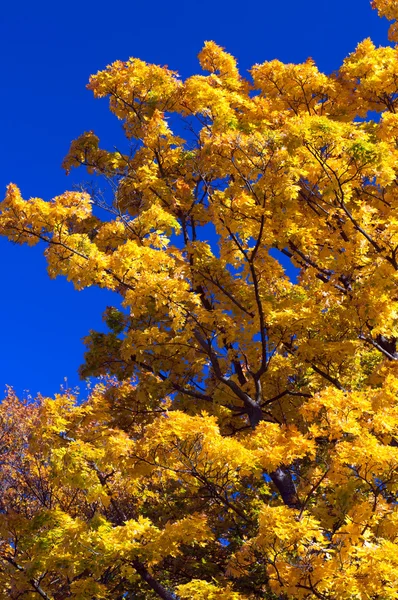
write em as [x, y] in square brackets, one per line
[48, 51]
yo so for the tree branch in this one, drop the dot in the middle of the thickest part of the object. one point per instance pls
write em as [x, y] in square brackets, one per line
[38, 589]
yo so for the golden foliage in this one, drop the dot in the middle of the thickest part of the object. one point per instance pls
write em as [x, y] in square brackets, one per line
[243, 440]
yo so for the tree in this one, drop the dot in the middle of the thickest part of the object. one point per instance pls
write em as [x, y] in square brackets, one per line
[243, 440]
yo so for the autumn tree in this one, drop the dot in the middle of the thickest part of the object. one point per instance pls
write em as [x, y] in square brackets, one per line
[243, 440]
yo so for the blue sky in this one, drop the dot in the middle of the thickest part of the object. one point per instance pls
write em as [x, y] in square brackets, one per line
[48, 51]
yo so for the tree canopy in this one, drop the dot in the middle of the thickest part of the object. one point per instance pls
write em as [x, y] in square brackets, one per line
[242, 441]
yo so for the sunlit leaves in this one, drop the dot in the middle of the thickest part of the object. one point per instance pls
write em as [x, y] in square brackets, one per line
[242, 440]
